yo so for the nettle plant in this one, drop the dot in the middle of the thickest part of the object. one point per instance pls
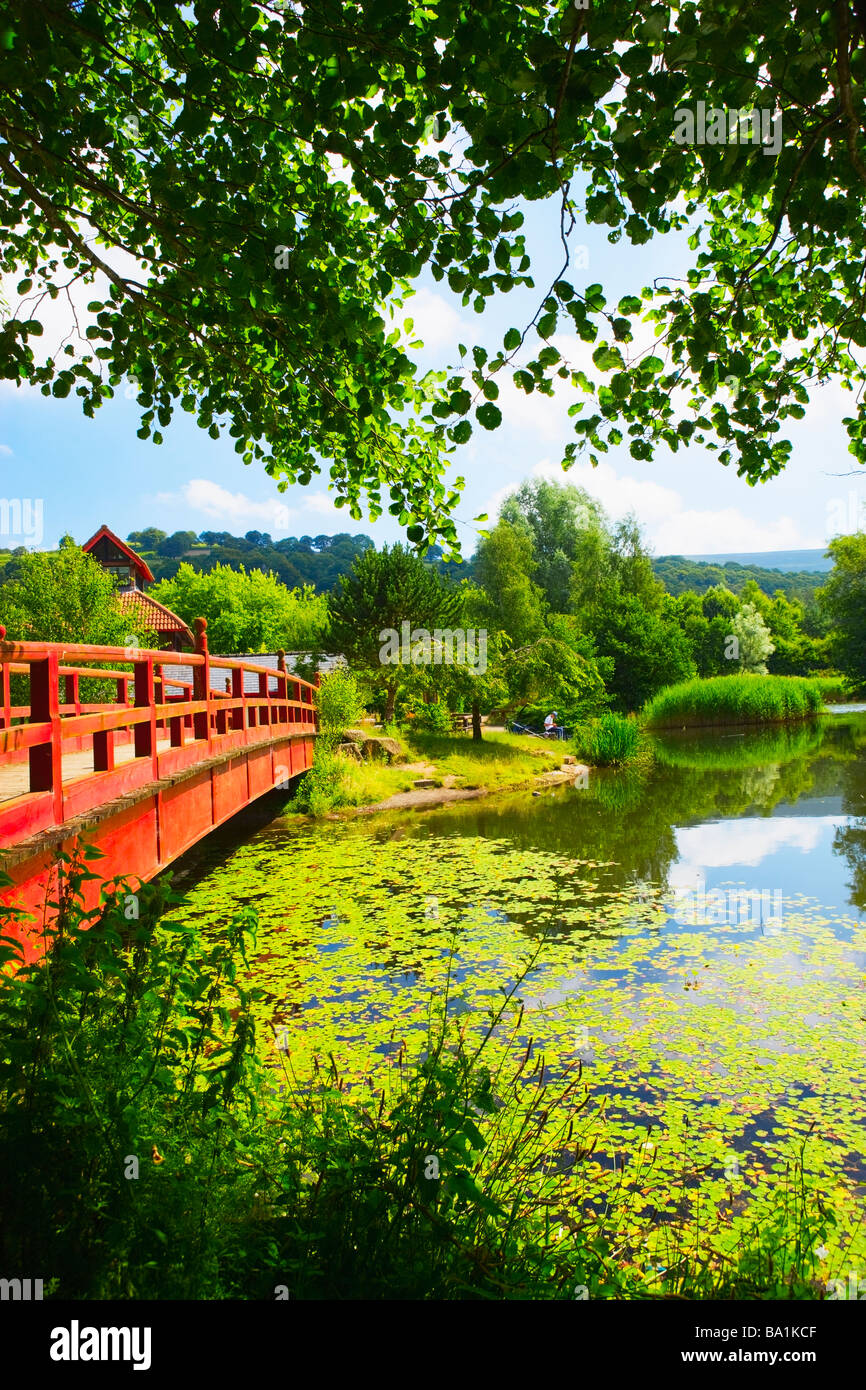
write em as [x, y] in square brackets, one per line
[279, 176]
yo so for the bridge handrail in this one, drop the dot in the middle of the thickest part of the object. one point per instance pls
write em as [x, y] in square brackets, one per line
[199, 723]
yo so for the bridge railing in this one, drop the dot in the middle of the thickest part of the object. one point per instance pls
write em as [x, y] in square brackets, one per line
[158, 724]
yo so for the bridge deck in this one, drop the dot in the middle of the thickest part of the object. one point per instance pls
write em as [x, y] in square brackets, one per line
[15, 777]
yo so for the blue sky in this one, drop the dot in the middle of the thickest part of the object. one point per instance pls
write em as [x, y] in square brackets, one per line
[91, 471]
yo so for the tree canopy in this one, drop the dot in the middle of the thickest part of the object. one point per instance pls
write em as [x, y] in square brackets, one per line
[252, 187]
[247, 612]
[384, 590]
[844, 599]
[66, 596]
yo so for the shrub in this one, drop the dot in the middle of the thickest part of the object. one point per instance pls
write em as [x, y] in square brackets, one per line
[741, 699]
[339, 704]
[610, 740]
[433, 718]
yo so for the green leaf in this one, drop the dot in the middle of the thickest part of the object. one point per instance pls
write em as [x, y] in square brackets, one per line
[489, 415]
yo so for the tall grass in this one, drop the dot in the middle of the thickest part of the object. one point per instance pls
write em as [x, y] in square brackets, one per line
[608, 741]
[335, 780]
[834, 689]
[737, 699]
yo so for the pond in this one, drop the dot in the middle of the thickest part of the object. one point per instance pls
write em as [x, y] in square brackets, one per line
[697, 944]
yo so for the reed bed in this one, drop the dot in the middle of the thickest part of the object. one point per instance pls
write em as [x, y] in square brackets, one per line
[740, 699]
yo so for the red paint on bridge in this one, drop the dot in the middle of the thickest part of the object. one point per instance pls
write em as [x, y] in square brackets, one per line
[143, 777]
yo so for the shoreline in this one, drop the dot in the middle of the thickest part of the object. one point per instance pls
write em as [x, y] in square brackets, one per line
[423, 799]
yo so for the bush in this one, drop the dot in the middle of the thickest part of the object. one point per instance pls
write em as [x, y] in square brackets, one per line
[131, 1041]
[433, 718]
[607, 741]
[834, 689]
[339, 704]
[740, 699]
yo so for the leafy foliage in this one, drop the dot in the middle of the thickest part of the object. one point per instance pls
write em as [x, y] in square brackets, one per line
[65, 596]
[277, 176]
[338, 703]
[383, 590]
[843, 598]
[607, 741]
[247, 611]
[753, 640]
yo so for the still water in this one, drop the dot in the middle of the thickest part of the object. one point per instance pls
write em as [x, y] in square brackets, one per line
[693, 936]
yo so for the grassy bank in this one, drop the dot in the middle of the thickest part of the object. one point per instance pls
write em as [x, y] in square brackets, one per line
[500, 761]
[733, 700]
[163, 1158]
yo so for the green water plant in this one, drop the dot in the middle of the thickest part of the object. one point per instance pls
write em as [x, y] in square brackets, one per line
[738, 699]
[607, 741]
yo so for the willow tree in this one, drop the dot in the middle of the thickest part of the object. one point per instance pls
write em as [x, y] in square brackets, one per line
[277, 175]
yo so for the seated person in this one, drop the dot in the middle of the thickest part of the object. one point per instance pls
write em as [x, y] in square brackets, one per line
[551, 728]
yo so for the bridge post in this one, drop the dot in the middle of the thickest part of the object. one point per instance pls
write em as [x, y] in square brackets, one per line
[239, 716]
[145, 733]
[46, 765]
[282, 686]
[7, 688]
[201, 683]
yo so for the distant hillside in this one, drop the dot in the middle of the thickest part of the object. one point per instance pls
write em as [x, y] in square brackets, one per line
[790, 561]
[681, 572]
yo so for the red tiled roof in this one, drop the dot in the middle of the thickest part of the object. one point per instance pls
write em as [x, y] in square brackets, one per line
[154, 616]
[136, 560]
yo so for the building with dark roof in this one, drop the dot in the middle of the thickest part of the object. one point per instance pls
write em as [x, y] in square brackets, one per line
[133, 575]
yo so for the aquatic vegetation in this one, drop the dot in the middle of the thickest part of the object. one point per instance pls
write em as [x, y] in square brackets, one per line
[607, 741]
[834, 689]
[713, 1046]
[597, 1103]
[738, 699]
[621, 1099]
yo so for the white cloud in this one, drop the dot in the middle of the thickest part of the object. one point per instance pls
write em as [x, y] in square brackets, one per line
[694, 532]
[4, 449]
[742, 842]
[239, 512]
[320, 504]
[217, 503]
[436, 322]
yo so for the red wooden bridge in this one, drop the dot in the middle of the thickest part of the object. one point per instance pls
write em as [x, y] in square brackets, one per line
[179, 750]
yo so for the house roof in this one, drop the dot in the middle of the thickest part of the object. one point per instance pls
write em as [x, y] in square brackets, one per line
[152, 615]
[251, 681]
[136, 560]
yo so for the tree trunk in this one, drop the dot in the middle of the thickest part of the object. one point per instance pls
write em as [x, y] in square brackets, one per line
[476, 722]
[390, 702]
